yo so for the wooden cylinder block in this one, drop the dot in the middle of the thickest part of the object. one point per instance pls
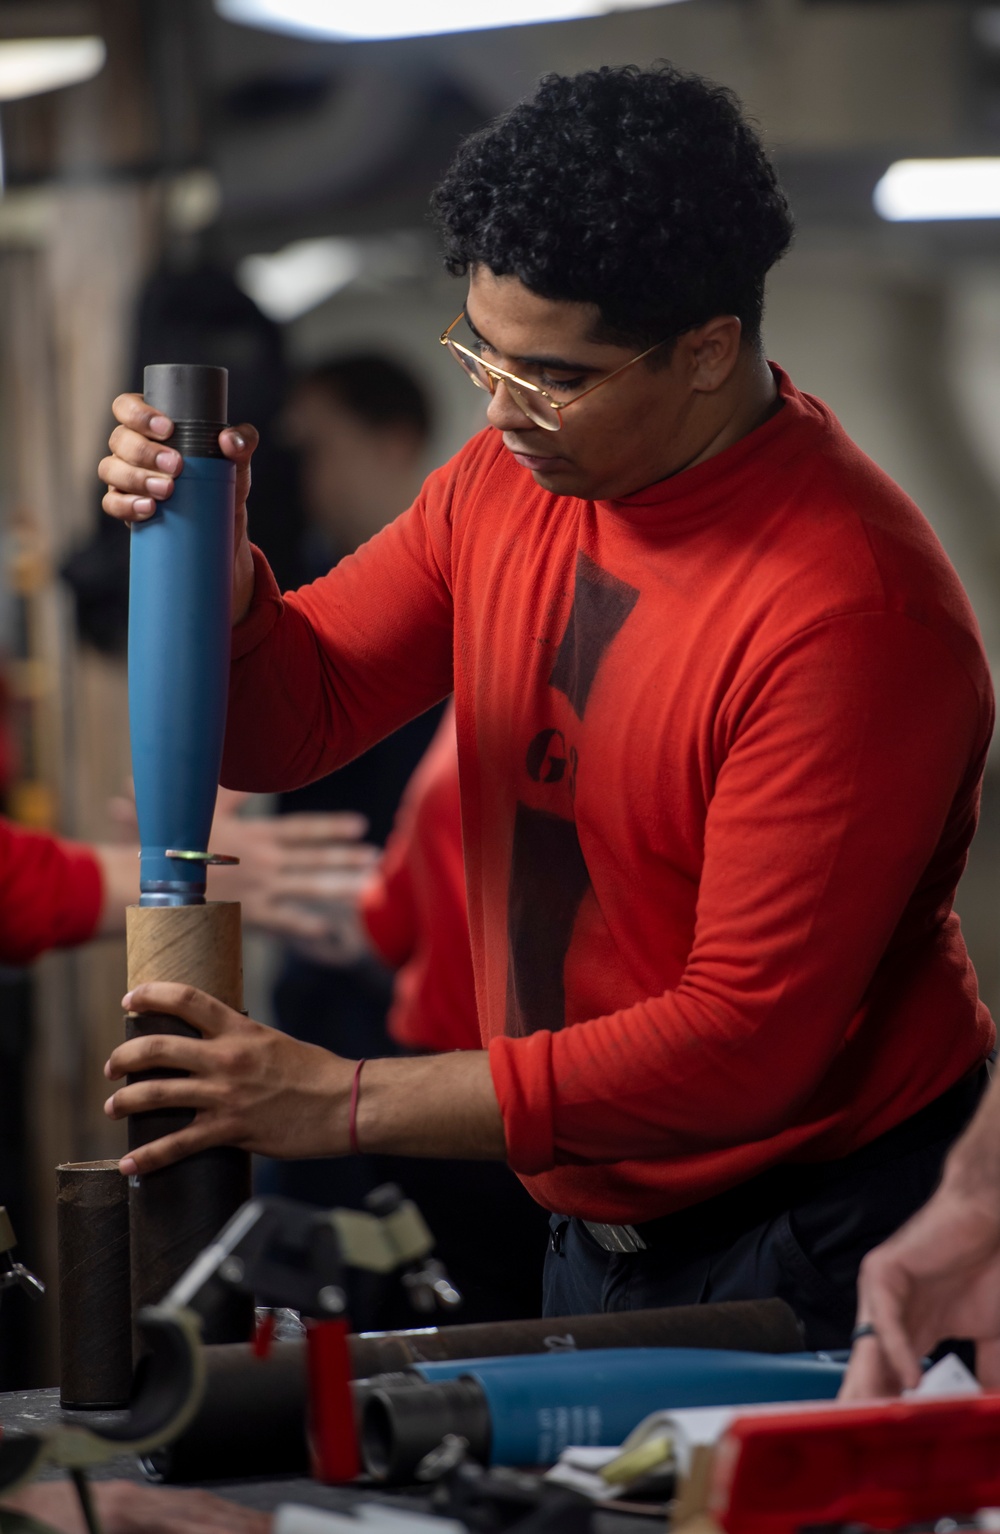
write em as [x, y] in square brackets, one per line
[95, 1335]
[199, 945]
[174, 1213]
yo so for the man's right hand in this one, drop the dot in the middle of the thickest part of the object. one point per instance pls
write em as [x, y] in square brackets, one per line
[142, 466]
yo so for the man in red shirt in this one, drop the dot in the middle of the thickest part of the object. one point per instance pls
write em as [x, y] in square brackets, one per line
[722, 715]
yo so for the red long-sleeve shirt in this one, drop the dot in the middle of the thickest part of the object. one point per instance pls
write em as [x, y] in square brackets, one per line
[50, 893]
[720, 747]
[415, 909]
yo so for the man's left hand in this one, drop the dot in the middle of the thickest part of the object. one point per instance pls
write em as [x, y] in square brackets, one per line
[250, 1086]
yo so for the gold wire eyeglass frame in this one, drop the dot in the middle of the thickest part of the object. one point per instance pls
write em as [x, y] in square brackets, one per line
[485, 376]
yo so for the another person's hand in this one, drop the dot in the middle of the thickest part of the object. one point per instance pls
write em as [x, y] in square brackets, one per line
[937, 1277]
[126, 1508]
[300, 877]
[249, 1085]
[141, 469]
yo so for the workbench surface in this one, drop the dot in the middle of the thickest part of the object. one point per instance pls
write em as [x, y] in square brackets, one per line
[28, 1410]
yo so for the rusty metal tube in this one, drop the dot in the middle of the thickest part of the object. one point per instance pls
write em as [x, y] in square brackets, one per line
[759, 1326]
[95, 1336]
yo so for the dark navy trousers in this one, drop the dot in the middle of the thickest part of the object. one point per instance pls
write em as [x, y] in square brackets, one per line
[796, 1232]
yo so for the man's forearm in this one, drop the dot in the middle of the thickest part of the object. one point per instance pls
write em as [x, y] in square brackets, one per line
[257, 1088]
[438, 1105]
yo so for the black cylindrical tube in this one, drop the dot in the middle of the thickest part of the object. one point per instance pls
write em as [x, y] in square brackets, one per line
[95, 1335]
[251, 1420]
[756, 1326]
[399, 1426]
[196, 398]
[174, 1213]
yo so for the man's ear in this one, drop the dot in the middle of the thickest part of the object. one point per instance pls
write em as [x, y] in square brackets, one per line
[713, 350]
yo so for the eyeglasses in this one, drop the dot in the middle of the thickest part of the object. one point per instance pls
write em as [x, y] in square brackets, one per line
[538, 406]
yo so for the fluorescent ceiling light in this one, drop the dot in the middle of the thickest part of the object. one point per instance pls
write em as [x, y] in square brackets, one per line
[410, 18]
[937, 189]
[294, 280]
[31, 65]
[986, 26]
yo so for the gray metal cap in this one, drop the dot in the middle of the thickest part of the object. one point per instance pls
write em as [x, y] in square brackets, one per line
[187, 391]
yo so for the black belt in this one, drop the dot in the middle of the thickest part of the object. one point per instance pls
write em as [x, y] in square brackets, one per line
[720, 1221]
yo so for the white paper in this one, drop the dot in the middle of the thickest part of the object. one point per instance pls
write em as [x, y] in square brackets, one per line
[948, 1377]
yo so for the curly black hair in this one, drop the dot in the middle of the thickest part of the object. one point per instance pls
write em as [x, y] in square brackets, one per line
[645, 192]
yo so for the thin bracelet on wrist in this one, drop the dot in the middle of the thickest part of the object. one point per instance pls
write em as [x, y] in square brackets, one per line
[352, 1121]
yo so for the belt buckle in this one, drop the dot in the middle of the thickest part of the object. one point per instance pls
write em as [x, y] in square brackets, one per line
[616, 1238]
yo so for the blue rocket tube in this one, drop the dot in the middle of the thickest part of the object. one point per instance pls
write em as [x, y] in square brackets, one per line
[180, 610]
[526, 1410]
[180, 606]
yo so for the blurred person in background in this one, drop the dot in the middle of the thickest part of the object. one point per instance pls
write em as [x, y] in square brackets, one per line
[413, 908]
[361, 427]
[56, 893]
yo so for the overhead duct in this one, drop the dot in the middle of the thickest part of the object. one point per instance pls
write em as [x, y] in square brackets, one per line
[361, 159]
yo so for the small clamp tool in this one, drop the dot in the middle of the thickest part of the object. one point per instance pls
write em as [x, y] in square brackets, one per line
[13, 1274]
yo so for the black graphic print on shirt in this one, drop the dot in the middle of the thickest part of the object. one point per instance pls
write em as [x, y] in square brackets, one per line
[601, 603]
[546, 760]
[548, 875]
[548, 879]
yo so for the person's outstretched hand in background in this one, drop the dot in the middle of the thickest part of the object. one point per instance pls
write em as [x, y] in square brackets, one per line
[299, 877]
